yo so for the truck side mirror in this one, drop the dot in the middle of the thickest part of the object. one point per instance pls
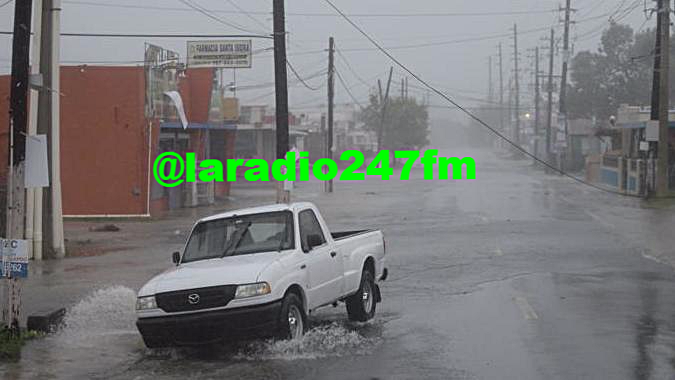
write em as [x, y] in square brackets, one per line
[176, 258]
[313, 240]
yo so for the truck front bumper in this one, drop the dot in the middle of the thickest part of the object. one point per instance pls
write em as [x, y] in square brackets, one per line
[210, 327]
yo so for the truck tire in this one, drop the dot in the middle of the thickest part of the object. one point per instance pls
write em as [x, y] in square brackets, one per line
[292, 321]
[361, 305]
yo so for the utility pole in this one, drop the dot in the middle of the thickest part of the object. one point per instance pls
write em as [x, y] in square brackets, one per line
[383, 104]
[49, 124]
[281, 84]
[331, 101]
[406, 88]
[501, 90]
[664, 67]
[536, 101]
[549, 110]
[18, 121]
[34, 195]
[490, 89]
[516, 83]
[402, 88]
[563, 83]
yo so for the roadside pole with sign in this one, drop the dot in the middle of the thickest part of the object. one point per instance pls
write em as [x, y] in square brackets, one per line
[14, 259]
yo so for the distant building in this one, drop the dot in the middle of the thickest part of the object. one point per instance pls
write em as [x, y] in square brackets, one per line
[108, 145]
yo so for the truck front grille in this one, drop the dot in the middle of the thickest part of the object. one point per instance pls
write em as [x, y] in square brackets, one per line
[196, 299]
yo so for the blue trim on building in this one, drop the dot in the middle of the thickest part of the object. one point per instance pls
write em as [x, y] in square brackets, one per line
[609, 177]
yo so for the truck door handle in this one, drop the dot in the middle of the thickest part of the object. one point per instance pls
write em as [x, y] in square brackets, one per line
[333, 254]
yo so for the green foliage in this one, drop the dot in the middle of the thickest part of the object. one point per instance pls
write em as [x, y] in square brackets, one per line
[406, 123]
[12, 342]
[620, 71]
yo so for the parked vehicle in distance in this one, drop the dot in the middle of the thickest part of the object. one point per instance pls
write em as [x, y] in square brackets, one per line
[260, 272]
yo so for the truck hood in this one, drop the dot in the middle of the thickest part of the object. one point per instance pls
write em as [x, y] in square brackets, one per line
[235, 270]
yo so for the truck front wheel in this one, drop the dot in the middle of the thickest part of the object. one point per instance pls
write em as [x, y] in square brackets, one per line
[292, 319]
[361, 305]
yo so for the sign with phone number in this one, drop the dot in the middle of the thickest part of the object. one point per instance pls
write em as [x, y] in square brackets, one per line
[14, 254]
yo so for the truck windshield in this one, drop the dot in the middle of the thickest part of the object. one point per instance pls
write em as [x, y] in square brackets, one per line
[241, 235]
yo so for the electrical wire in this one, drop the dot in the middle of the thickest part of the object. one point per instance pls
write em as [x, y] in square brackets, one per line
[350, 67]
[206, 13]
[5, 3]
[464, 110]
[305, 14]
[146, 35]
[349, 92]
[248, 14]
[290, 66]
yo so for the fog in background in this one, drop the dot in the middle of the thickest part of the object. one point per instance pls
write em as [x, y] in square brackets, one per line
[457, 62]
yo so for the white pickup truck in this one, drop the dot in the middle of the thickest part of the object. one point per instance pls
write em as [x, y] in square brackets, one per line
[260, 272]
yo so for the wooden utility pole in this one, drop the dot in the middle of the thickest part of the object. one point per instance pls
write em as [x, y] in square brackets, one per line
[281, 84]
[383, 104]
[331, 105]
[18, 123]
[536, 101]
[490, 88]
[549, 88]
[664, 67]
[516, 74]
[501, 90]
[562, 102]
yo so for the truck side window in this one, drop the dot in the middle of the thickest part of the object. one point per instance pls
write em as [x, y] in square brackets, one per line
[309, 225]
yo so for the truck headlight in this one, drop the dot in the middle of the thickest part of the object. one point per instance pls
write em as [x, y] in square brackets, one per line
[146, 303]
[253, 290]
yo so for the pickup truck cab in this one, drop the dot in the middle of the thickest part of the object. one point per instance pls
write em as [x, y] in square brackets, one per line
[260, 272]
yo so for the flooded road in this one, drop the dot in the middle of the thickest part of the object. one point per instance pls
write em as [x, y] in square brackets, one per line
[516, 275]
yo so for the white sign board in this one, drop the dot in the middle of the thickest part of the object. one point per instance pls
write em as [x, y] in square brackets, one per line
[37, 167]
[225, 54]
[652, 133]
[14, 254]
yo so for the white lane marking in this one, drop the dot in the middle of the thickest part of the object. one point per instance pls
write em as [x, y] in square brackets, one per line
[525, 308]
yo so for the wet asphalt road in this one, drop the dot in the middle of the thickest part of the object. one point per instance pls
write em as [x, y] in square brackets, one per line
[516, 275]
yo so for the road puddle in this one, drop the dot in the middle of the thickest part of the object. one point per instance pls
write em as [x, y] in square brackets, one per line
[102, 326]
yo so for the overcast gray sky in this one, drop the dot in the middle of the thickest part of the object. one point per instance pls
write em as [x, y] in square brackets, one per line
[461, 68]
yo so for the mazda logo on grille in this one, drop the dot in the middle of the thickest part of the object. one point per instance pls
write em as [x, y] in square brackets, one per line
[193, 299]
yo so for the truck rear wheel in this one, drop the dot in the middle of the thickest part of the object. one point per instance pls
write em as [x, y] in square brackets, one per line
[292, 320]
[361, 305]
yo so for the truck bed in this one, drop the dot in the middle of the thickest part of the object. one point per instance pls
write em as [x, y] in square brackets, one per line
[346, 234]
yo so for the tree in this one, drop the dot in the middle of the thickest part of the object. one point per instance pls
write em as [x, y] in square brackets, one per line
[621, 71]
[406, 123]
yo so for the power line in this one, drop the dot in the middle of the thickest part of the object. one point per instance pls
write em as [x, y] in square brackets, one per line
[350, 68]
[305, 14]
[206, 13]
[290, 66]
[150, 35]
[465, 111]
[5, 3]
[349, 92]
[248, 14]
